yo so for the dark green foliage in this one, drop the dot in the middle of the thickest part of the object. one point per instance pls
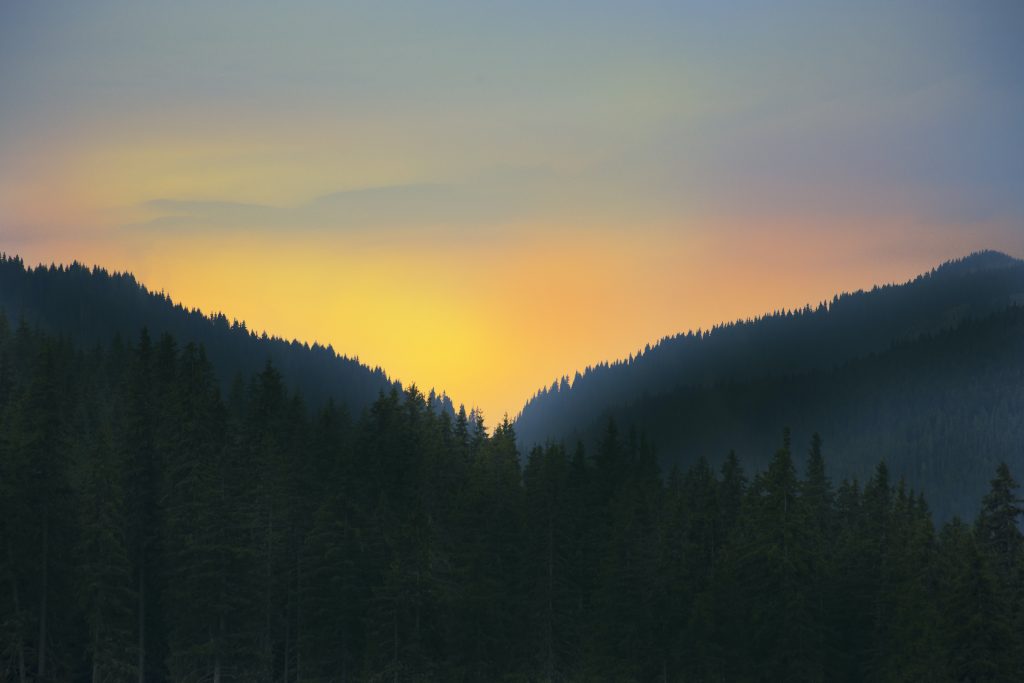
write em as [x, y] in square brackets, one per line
[928, 374]
[998, 525]
[92, 305]
[152, 529]
[106, 589]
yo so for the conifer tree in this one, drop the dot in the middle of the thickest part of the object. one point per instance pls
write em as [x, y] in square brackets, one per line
[140, 445]
[916, 648]
[998, 524]
[105, 585]
[41, 518]
[552, 523]
[817, 506]
[622, 645]
[203, 531]
[149, 529]
[978, 636]
[775, 569]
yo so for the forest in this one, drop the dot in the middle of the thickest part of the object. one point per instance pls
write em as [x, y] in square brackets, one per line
[156, 527]
[818, 338]
[928, 374]
[943, 410]
[92, 305]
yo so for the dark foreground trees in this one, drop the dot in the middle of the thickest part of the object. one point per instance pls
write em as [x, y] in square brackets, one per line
[154, 529]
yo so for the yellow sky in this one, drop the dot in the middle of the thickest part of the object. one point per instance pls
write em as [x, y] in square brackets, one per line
[490, 323]
[482, 197]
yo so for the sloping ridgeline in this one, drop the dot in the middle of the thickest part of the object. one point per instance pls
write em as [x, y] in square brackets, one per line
[927, 375]
[93, 306]
[153, 529]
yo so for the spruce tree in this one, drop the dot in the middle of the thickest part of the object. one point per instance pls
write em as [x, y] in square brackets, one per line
[105, 586]
[998, 524]
[978, 634]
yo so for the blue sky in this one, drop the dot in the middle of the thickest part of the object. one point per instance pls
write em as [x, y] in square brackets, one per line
[875, 137]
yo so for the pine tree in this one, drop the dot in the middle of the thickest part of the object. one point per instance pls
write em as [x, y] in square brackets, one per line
[264, 434]
[704, 542]
[552, 521]
[141, 442]
[404, 544]
[673, 592]
[623, 645]
[105, 584]
[731, 490]
[818, 507]
[333, 594]
[40, 508]
[916, 649]
[876, 541]
[977, 625]
[998, 533]
[774, 570]
[998, 527]
[203, 531]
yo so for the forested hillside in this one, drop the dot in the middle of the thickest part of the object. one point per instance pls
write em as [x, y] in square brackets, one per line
[151, 524]
[782, 343]
[91, 306]
[928, 375]
[942, 410]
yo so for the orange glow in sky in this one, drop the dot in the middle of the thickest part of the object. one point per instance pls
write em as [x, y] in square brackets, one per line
[490, 325]
[483, 197]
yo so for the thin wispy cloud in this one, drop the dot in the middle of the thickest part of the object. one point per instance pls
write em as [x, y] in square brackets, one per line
[493, 199]
[524, 171]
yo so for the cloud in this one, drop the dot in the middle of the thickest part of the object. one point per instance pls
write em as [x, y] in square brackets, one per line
[489, 200]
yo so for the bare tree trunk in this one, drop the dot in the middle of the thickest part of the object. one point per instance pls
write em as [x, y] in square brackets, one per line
[41, 668]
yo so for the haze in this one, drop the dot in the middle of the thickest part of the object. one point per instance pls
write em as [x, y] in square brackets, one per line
[480, 197]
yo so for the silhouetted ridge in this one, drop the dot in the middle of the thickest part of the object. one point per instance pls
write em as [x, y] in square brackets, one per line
[943, 410]
[153, 530]
[772, 352]
[91, 306]
[978, 261]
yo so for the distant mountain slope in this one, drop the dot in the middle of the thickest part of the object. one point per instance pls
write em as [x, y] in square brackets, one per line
[92, 306]
[942, 411]
[850, 326]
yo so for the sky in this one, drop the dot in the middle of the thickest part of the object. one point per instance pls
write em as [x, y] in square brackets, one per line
[483, 196]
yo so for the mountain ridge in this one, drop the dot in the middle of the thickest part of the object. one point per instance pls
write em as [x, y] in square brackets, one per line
[929, 302]
[927, 375]
[91, 305]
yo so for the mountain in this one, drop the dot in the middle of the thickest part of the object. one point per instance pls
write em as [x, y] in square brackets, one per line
[153, 530]
[152, 527]
[92, 306]
[925, 374]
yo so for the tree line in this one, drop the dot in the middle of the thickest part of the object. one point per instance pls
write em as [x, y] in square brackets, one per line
[155, 528]
[943, 409]
[920, 371]
[785, 342]
[91, 305]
